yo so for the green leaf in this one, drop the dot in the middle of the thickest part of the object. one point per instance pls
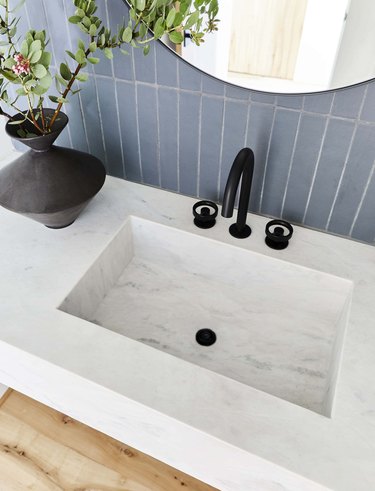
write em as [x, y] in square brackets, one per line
[41, 36]
[65, 72]
[86, 21]
[74, 19]
[146, 49]
[24, 48]
[159, 28]
[21, 91]
[93, 60]
[127, 35]
[80, 56]
[39, 90]
[72, 55]
[82, 77]
[46, 81]
[36, 56]
[93, 30]
[9, 63]
[93, 47]
[39, 71]
[124, 52]
[108, 53]
[54, 99]
[35, 46]
[140, 5]
[46, 58]
[142, 30]
[192, 20]
[81, 45]
[176, 37]
[170, 17]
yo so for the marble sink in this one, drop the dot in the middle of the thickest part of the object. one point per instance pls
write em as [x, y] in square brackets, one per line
[280, 327]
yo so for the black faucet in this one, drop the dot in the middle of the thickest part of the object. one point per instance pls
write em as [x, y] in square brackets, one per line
[243, 165]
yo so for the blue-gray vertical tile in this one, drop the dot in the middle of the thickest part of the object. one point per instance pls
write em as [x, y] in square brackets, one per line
[212, 122]
[166, 66]
[77, 130]
[211, 85]
[263, 97]
[91, 113]
[168, 126]
[108, 109]
[189, 109]
[122, 64]
[279, 157]
[290, 101]
[332, 160]
[347, 102]
[190, 78]
[145, 65]
[57, 28]
[37, 16]
[129, 130]
[234, 137]
[368, 111]
[360, 162]
[148, 134]
[318, 103]
[233, 92]
[364, 227]
[259, 132]
[305, 158]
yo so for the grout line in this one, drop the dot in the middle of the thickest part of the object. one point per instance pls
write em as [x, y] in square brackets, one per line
[291, 164]
[79, 85]
[347, 157]
[101, 123]
[317, 164]
[221, 150]
[199, 144]
[178, 128]
[137, 119]
[54, 57]
[28, 16]
[362, 199]
[247, 124]
[341, 177]
[267, 156]
[116, 102]
[158, 161]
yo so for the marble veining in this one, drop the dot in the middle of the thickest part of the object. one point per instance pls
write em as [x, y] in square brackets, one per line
[276, 323]
[159, 403]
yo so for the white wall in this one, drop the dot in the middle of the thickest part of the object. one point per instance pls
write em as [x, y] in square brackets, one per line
[320, 40]
[356, 56]
[212, 56]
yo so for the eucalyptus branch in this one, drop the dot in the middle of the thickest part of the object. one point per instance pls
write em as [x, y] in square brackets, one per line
[67, 90]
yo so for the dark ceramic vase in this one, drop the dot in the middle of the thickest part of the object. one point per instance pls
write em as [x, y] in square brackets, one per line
[50, 184]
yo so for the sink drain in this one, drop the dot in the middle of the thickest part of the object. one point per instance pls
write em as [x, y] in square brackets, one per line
[205, 337]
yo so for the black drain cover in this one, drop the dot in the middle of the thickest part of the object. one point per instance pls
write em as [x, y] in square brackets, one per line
[205, 337]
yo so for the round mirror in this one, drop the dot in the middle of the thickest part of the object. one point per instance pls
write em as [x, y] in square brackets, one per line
[289, 46]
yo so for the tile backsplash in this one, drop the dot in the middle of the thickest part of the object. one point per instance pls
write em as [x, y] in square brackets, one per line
[159, 121]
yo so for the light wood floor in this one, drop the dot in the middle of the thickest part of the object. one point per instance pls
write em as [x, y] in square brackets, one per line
[44, 450]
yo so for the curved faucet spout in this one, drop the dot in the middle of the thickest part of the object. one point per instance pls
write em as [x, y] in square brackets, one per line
[243, 165]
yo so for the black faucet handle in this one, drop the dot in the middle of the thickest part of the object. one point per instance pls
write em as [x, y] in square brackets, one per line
[278, 234]
[203, 218]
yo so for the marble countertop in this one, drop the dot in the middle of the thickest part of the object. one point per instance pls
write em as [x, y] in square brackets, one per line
[228, 434]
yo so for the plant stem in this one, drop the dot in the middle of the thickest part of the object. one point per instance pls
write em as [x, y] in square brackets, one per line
[66, 92]
[31, 112]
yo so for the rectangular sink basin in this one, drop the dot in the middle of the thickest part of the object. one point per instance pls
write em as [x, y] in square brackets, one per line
[279, 327]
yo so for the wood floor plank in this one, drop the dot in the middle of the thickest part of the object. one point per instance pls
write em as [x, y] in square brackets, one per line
[51, 447]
